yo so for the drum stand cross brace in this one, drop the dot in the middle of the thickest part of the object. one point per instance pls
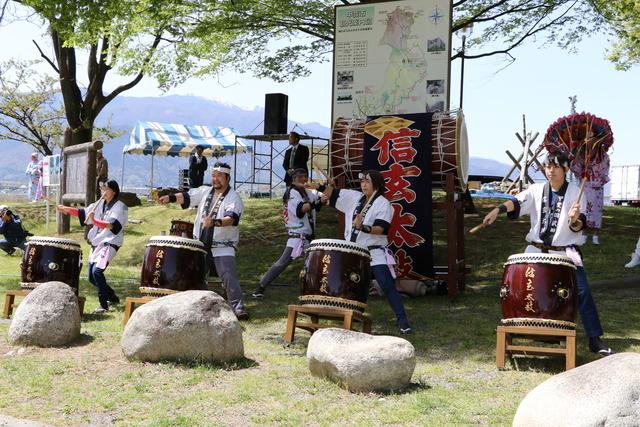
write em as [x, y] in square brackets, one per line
[316, 313]
[506, 334]
[10, 297]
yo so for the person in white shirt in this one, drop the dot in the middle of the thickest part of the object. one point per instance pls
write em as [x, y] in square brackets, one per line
[216, 225]
[34, 171]
[108, 215]
[300, 207]
[368, 216]
[557, 221]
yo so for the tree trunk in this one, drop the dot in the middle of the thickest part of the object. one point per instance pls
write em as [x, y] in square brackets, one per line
[81, 135]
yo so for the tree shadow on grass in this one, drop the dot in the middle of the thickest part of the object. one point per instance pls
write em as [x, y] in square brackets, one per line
[232, 365]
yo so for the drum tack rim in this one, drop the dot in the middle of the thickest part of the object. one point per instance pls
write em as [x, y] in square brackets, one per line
[539, 322]
[328, 301]
[540, 258]
[177, 242]
[67, 244]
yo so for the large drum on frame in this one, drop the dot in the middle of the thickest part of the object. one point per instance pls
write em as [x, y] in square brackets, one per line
[346, 149]
[172, 264]
[181, 228]
[449, 153]
[336, 273]
[48, 259]
[539, 290]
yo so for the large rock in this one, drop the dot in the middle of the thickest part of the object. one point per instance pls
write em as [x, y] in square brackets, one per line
[48, 316]
[186, 326]
[600, 393]
[361, 362]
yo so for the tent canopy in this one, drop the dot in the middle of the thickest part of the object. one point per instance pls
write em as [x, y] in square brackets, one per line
[162, 139]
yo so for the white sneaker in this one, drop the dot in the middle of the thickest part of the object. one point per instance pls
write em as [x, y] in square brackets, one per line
[99, 310]
[635, 261]
[595, 240]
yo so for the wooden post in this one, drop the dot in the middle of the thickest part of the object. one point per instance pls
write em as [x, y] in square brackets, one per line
[78, 185]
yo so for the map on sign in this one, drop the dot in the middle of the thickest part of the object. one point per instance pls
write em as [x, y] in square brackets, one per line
[391, 58]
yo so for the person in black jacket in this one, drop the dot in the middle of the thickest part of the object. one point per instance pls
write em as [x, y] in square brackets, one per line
[197, 167]
[14, 234]
[296, 157]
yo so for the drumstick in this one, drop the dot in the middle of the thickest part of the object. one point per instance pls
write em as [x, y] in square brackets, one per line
[477, 227]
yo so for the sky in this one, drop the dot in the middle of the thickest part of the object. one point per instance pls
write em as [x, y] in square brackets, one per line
[537, 85]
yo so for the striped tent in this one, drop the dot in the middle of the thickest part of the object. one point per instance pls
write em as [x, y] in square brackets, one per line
[161, 139]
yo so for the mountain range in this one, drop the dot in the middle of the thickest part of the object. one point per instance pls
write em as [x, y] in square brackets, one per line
[124, 112]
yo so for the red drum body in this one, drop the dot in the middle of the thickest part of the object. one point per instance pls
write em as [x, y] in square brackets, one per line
[336, 273]
[450, 150]
[51, 259]
[539, 290]
[172, 264]
[181, 228]
[346, 147]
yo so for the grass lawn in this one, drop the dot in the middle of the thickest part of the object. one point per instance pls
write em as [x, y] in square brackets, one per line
[455, 380]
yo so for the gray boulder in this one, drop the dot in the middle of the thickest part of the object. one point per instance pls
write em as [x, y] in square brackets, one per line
[601, 393]
[186, 326]
[47, 317]
[361, 362]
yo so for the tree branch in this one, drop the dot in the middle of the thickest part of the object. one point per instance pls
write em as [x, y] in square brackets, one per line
[46, 58]
[117, 91]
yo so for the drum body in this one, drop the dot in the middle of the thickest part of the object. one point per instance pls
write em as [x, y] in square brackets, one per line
[347, 147]
[539, 290]
[449, 154]
[181, 228]
[172, 264]
[51, 259]
[450, 149]
[336, 273]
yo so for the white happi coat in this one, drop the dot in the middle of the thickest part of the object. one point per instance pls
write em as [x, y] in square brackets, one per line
[99, 237]
[224, 238]
[292, 223]
[531, 204]
[380, 209]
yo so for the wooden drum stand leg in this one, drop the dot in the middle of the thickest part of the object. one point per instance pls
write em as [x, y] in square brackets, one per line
[130, 305]
[504, 343]
[315, 314]
[10, 298]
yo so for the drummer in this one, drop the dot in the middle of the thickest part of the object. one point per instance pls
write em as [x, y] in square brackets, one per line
[108, 215]
[368, 217]
[557, 222]
[216, 225]
[300, 207]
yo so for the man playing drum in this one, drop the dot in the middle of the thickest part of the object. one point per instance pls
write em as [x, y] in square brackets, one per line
[216, 225]
[557, 222]
[300, 206]
[108, 215]
[368, 216]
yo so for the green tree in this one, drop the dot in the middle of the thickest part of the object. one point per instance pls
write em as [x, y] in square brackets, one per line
[172, 40]
[624, 18]
[30, 111]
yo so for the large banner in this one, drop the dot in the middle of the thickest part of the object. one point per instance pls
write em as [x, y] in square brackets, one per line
[391, 57]
[399, 146]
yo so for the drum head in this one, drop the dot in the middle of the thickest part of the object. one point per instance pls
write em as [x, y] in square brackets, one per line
[177, 242]
[540, 258]
[55, 241]
[339, 245]
[462, 148]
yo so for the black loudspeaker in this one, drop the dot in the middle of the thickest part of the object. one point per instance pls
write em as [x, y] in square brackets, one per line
[275, 113]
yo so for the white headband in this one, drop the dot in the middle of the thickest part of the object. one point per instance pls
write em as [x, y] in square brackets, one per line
[222, 169]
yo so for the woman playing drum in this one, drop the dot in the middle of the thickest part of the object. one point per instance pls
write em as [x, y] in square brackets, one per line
[371, 216]
[556, 227]
[108, 216]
